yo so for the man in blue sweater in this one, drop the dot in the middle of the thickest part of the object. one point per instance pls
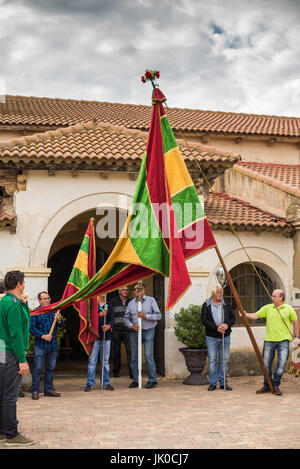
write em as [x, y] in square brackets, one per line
[45, 347]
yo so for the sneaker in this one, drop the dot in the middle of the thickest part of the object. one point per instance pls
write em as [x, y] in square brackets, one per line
[212, 387]
[19, 440]
[88, 388]
[108, 387]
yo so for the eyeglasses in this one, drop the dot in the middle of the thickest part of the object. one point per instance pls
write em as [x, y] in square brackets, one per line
[45, 299]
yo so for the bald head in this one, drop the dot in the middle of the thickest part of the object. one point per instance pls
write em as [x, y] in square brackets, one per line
[278, 297]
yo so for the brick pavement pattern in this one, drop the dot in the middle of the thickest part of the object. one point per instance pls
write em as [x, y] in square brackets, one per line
[170, 416]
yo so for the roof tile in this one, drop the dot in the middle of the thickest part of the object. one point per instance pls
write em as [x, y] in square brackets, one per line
[28, 110]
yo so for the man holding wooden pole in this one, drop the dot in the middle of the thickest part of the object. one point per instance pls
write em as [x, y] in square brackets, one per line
[45, 347]
[144, 310]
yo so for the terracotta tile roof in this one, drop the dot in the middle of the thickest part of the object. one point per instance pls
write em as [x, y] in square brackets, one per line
[94, 143]
[221, 210]
[282, 176]
[35, 111]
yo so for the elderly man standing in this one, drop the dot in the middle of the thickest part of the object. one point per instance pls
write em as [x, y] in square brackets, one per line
[280, 317]
[45, 347]
[217, 317]
[150, 314]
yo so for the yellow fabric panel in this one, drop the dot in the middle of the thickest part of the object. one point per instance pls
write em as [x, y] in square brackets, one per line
[81, 262]
[123, 250]
[177, 173]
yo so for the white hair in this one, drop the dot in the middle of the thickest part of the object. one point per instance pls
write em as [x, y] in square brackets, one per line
[214, 290]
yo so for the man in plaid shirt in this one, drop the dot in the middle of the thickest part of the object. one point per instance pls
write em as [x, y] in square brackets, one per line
[45, 348]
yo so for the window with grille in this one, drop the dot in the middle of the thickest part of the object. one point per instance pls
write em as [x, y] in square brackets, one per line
[250, 290]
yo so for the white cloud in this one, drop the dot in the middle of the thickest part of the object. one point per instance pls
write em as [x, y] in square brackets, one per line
[234, 56]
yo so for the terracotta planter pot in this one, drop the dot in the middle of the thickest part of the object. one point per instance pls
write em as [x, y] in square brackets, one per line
[195, 360]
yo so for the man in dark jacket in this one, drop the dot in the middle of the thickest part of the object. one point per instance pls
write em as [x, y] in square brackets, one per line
[120, 332]
[217, 317]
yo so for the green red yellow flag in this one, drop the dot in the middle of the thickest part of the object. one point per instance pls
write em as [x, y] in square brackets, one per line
[165, 226]
[83, 271]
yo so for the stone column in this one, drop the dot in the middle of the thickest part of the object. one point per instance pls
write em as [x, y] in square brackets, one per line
[36, 280]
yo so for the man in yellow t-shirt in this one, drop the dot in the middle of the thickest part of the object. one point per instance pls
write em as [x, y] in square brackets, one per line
[279, 319]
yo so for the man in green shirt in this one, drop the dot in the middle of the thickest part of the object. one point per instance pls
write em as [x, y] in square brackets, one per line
[14, 339]
[279, 319]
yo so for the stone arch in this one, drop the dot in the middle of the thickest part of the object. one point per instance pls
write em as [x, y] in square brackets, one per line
[70, 210]
[272, 263]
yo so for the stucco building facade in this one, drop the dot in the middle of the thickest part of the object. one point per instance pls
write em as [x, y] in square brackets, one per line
[63, 161]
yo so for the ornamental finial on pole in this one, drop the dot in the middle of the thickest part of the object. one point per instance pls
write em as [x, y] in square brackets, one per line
[151, 75]
[157, 95]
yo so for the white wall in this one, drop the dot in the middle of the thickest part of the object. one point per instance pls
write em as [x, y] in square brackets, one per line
[49, 202]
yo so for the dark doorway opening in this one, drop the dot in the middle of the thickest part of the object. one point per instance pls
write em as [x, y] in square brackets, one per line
[61, 264]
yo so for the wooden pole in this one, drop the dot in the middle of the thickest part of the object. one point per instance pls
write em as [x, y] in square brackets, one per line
[140, 342]
[52, 327]
[241, 309]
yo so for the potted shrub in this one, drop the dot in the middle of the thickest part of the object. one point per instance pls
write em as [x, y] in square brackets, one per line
[190, 331]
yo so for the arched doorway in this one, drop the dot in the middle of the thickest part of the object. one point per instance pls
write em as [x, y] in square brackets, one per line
[250, 289]
[61, 264]
[61, 259]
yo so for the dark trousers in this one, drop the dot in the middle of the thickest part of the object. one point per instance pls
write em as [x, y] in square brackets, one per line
[119, 336]
[10, 384]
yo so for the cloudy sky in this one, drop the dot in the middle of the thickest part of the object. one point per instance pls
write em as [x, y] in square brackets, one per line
[225, 55]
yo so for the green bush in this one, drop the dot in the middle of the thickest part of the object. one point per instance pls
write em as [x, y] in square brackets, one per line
[189, 329]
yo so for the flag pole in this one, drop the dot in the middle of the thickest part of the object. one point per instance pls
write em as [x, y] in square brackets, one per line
[140, 334]
[246, 323]
[103, 347]
[220, 274]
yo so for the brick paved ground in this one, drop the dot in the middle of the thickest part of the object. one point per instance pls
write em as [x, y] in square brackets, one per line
[171, 416]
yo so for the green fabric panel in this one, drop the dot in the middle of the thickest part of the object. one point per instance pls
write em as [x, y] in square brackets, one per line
[145, 234]
[85, 245]
[169, 140]
[78, 278]
[187, 207]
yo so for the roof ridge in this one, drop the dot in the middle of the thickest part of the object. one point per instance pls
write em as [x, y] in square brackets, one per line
[260, 163]
[79, 127]
[86, 101]
[94, 123]
[73, 100]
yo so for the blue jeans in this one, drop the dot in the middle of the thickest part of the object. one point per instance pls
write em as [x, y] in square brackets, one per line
[10, 383]
[215, 351]
[93, 359]
[40, 357]
[147, 341]
[283, 350]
